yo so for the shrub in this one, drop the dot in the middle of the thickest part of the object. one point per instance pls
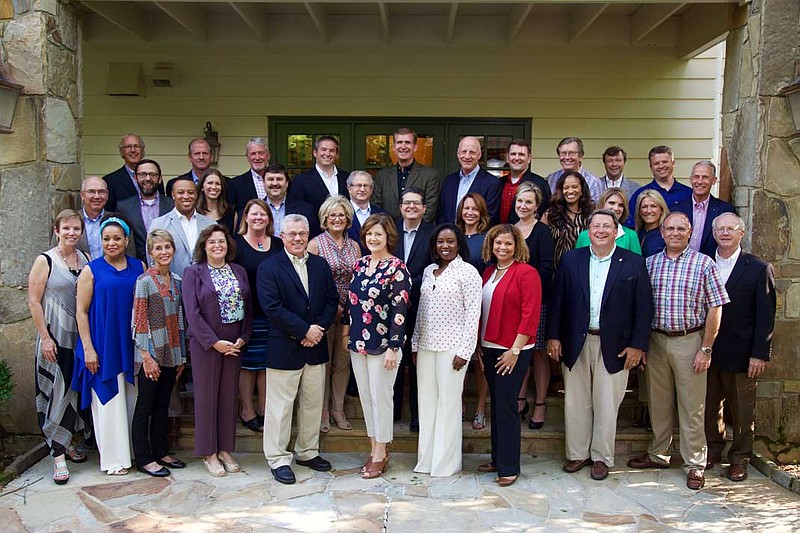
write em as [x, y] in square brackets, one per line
[6, 383]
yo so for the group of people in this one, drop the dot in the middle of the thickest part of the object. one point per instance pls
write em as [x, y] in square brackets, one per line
[342, 271]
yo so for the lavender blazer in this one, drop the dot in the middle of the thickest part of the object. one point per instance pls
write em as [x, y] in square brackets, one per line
[202, 306]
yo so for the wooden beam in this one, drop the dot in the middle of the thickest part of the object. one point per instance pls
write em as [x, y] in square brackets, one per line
[190, 17]
[126, 17]
[704, 25]
[647, 18]
[516, 18]
[450, 28]
[583, 17]
[252, 15]
[319, 17]
[383, 13]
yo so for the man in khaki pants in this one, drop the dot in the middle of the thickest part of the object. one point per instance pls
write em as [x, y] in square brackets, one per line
[688, 295]
[299, 297]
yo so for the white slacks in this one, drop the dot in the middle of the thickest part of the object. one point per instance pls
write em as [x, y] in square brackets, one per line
[112, 426]
[376, 392]
[283, 386]
[439, 390]
[591, 403]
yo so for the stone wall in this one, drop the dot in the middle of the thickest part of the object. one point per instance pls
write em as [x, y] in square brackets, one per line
[40, 170]
[764, 153]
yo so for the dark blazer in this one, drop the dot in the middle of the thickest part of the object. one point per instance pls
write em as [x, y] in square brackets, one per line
[626, 309]
[120, 187]
[240, 191]
[418, 258]
[487, 185]
[299, 207]
[386, 195]
[202, 306]
[130, 209]
[355, 229]
[168, 188]
[748, 319]
[542, 185]
[716, 207]
[309, 187]
[291, 311]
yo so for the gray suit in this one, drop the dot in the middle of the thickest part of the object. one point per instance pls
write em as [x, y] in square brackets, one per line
[386, 195]
[131, 210]
[628, 185]
[183, 253]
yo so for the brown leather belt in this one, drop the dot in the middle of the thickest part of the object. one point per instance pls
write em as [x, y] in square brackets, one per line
[593, 332]
[678, 333]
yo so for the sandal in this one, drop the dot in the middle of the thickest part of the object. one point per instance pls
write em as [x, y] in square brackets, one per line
[535, 424]
[60, 473]
[487, 467]
[375, 468]
[252, 424]
[230, 466]
[341, 421]
[479, 421]
[117, 471]
[506, 481]
[75, 455]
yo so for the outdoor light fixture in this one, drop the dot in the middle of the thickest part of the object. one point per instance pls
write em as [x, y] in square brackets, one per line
[212, 138]
[9, 94]
[792, 92]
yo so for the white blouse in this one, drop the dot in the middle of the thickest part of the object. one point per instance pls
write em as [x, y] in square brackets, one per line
[449, 310]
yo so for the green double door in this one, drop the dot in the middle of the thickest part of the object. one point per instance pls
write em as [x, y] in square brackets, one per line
[366, 144]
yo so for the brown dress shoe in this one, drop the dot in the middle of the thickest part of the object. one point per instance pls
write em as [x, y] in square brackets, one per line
[644, 461]
[487, 467]
[737, 472]
[573, 466]
[599, 471]
[695, 479]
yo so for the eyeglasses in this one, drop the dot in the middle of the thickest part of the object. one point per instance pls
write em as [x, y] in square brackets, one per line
[569, 154]
[727, 229]
[131, 147]
[361, 186]
[295, 234]
[411, 202]
[144, 175]
[606, 227]
[337, 215]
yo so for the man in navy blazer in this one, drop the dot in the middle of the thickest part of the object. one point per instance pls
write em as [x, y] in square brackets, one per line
[599, 320]
[149, 202]
[360, 186]
[250, 185]
[122, 182]
[276, 183]
[324, 179]
[702, 208]
[199, 158]
[469, 178]
[297, 293]
[742, 347]
[413, 247]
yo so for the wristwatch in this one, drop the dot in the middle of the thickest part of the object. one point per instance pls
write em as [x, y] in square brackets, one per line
[515, 351]
[706, 350]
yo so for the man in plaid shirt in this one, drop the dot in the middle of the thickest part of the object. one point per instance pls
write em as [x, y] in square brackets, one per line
[688, 295]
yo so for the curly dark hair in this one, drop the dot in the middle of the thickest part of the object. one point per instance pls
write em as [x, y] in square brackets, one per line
[200, 255]
[557, 213]
[461, 240]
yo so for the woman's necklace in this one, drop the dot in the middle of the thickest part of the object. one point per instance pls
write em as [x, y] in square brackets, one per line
[63, 258]
[505, 267]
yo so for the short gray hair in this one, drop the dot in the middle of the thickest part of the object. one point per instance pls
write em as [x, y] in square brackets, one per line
[706, 163]
[359, 174]
[255, 140]
[292, 218]
[607, 212]
[739, 220]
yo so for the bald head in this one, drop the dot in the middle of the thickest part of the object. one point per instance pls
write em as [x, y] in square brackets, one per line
[94, 195]
[469, 154]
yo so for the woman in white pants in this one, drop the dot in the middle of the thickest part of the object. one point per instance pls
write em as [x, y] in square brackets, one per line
[445, 336]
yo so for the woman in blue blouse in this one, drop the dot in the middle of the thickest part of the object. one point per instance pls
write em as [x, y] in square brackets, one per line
[651, 210]
[375, 330]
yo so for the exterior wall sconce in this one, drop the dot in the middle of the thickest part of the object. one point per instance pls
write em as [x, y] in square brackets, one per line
[792, 92]
[212, 138]
[9, 94]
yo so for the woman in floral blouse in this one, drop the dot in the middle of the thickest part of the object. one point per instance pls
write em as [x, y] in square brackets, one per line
[159, 333]
[375, 331]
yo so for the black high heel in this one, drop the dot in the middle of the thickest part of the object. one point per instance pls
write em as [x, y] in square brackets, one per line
[525, 409]
[532, 424]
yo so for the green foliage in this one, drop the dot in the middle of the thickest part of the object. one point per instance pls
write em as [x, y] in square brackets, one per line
[6, 383]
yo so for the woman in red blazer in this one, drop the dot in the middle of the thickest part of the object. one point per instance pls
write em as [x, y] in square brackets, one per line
[511, 303]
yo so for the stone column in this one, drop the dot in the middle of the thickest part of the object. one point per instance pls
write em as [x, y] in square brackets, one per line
[40, 170]
[764, 153]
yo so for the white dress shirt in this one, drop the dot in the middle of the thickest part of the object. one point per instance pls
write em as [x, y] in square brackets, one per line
[332, 181]
[189, 226]
[725, 266]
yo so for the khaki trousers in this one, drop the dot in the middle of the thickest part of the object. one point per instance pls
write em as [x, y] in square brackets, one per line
[283, 386]
[439, 389]
[670, 374]
[591, 403]
[737, 393]
[376, 392]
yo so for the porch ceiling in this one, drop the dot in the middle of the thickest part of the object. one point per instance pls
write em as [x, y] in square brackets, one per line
[692, 27]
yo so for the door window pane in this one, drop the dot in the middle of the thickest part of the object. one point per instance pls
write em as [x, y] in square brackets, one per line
[300, 153]
[494, 149]
[379, 151]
